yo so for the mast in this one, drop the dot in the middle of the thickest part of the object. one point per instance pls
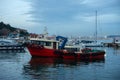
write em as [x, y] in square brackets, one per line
[96, 26]
[45, 32]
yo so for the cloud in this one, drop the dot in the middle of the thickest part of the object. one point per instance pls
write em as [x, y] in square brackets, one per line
[57, 11]
[12, 12]
[75, 15]
[110, 18]
[103, 18]
[58, 14]
[96, 3]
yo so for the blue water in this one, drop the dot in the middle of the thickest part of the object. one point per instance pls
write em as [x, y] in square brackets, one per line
[20, 66]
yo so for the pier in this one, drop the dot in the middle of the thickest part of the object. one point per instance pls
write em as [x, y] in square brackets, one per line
[11, 47]
[111, 45]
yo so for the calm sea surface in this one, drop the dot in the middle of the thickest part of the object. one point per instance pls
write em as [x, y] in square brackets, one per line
[19, 65]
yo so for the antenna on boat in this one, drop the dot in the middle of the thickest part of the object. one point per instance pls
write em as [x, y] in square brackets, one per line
[45, 32]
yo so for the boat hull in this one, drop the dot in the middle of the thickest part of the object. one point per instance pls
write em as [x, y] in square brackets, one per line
[44, 52]
[84, 56]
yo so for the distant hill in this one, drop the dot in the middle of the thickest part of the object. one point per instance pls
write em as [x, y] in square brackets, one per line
[6, 29]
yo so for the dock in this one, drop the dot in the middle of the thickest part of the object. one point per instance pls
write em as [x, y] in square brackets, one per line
[11, 47]
[111, 45]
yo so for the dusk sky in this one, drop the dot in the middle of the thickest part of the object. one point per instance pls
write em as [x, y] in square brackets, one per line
[63, 17]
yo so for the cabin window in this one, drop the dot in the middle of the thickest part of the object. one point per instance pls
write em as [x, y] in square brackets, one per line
[36, 42]
[47, 43]
[31, 41]
[54, 45]
[41, 43]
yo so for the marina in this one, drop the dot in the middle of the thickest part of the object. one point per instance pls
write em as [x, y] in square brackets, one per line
[56, 57]
[82, 41]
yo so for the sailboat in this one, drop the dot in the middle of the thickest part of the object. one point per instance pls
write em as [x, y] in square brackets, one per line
[95, 43]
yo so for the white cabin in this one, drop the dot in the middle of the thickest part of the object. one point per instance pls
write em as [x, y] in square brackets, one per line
[50, 44]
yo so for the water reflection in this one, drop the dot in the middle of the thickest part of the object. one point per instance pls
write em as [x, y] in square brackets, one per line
[116, 50]
[58, 61]
[54, 68]
[10, 55]
[18, 65]
[11, 63]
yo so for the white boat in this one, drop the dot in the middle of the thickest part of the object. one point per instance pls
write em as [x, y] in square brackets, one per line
[6, 42]
[9, 44]
[95, 42]
[118, 43]
[94, 45]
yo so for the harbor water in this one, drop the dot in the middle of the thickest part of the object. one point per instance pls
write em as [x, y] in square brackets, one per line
[18, 65]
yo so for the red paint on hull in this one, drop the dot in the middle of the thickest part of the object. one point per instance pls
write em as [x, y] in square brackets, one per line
[44, 52]
[84, 56]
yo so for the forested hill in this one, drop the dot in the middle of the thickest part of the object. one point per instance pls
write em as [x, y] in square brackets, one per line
[6, 29]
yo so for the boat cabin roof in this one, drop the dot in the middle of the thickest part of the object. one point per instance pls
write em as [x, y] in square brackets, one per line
[43, 40]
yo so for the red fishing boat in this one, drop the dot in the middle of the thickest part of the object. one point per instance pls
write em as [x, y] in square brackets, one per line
[56, 48]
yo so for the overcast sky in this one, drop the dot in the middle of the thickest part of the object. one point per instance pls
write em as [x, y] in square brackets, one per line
[63, 17]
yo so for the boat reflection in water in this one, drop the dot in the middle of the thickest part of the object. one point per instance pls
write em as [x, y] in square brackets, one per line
[54, 68]
[56, 61]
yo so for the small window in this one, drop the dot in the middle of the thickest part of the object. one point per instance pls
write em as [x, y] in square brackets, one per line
[47, 43]
[41, 43]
